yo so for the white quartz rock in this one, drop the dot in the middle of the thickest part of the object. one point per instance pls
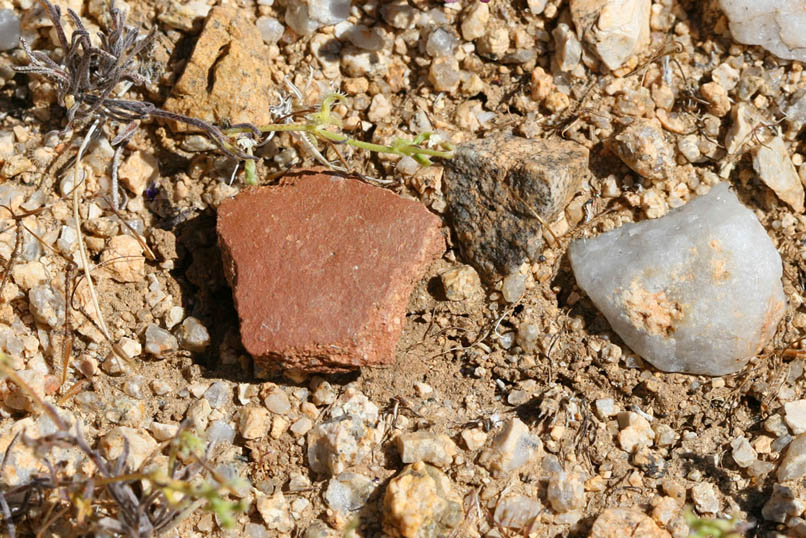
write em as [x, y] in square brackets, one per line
[777, 25]
[771, 161]
[697, 291]
[614, 29]
[307, 16]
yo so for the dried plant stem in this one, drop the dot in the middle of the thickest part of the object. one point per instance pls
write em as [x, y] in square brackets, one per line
[80, 236]
[340, 138]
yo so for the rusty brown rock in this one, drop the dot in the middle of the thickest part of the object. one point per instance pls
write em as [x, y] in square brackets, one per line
[322, 267]
[228, 76]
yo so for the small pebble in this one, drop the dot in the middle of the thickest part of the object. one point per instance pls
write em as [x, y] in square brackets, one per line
[275, 512]
[665, 435]
[781, 504]
[253, 530]
[174, 316]
[475, 21]
[513, 287]
[279, 425]
[474, 438]
[528, 334]
[461, 283]
[134, 387]
[566, 491]
[743, 453]
[436, 449]
[298, 481]
[516, 511]
[324, 394]
[254, 422]
[198, 413]
[139, 443]
[775, 425]
[220, 431]
[348, 437]
[277, 402]
[636, 432]
[423, 390]
[793, 464]
[795, 416]
[193, 335]
[444, 74]
[9, 30]
[605, 408]
[301, 427]
[360, 35]
[160, 388]
[348, 492]
[197, 389]
[781, 443]
[421, 501]
[271, 30]
[518, 397]
[218, 394]
[159, 342]
[440, 43]
[163, 432]
[511, 449]
[705, 499]
[776, 25]
[643, 147]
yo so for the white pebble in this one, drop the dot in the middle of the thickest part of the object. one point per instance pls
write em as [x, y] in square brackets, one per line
[271, 30]
[441, 43]
[159, 342]
[9, 30]
[776, 25]
[513, 287]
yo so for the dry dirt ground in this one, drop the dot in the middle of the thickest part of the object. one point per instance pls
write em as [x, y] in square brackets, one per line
[462, 350]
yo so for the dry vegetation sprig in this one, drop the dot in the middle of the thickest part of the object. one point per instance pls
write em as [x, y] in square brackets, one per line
[115, 499]
[88, 78]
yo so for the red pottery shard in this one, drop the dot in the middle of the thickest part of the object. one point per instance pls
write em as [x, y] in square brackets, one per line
[322, 266]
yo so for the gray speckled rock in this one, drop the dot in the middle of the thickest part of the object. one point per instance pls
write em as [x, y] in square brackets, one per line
[697, 291]
[495, 186]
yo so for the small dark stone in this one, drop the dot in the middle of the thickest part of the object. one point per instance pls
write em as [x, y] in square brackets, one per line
[496, 185]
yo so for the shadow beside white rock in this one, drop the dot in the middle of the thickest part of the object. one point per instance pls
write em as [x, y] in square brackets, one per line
[698, 291]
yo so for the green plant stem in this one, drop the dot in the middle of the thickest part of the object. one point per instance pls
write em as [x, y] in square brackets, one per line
[340, 138]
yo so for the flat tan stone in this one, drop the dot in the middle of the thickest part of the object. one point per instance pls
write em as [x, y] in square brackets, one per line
[228, 76]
